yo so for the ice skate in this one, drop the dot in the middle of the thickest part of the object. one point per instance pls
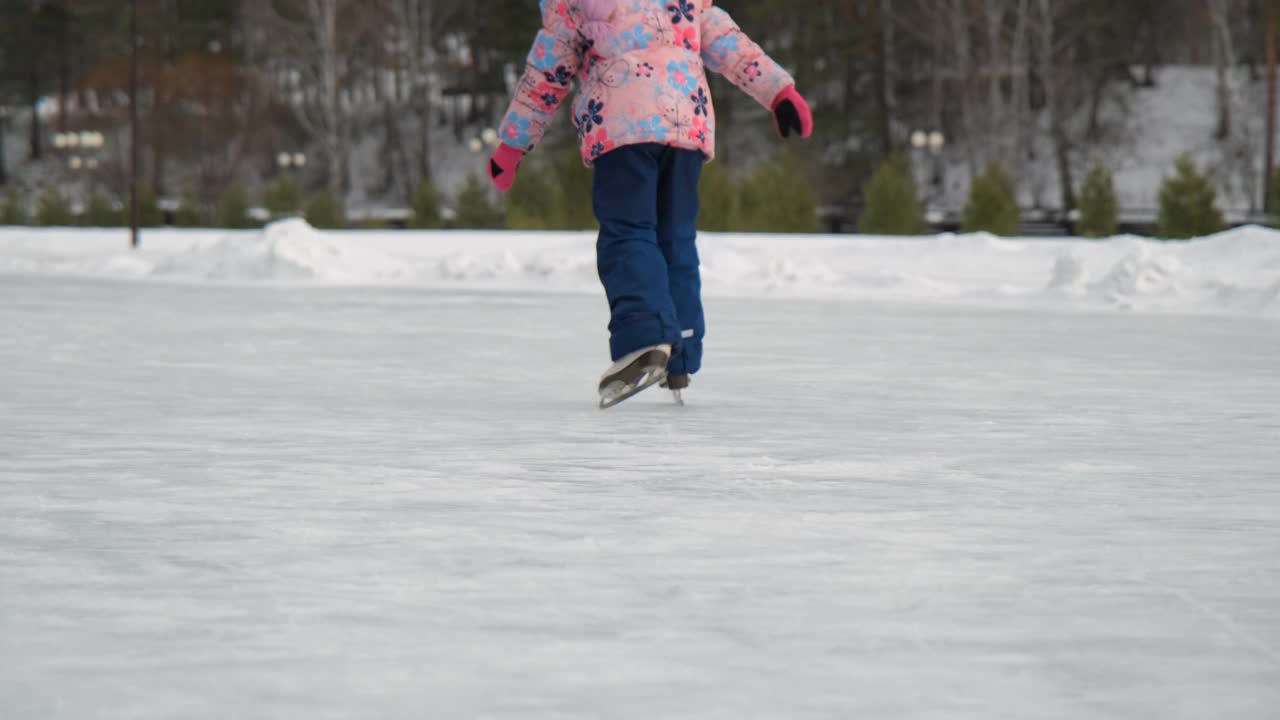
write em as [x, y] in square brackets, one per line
[677, 385]
[634, 373]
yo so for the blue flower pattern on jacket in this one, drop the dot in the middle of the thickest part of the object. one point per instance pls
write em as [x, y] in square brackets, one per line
[636, 39]
[721, 48]
[652, 129]
[516, 131]
[549, 100]
[593, 116]
[681, 77]
[561, 76]
[543, 56]
[680, 10]
[700, 102]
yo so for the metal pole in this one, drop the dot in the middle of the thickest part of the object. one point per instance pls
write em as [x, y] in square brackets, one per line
[1270, 168]
[134, 214]
[4, 161]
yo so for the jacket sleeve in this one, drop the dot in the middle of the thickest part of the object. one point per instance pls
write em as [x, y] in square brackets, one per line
[728, 51]
[547, 80]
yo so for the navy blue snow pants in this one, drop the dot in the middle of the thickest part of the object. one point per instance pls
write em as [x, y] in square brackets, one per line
[646, 200]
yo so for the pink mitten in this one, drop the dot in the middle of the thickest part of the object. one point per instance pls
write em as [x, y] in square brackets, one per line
[502, 166]
[791, 114]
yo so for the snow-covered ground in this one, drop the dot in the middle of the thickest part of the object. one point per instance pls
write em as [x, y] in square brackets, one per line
[305, 475]
[1236, 272]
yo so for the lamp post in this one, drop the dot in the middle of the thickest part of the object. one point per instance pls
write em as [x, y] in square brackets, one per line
[290, 165]
[82, 149]
[932, 141]
[4, 131]
[291, 161]
[488, 139]
[486, 142]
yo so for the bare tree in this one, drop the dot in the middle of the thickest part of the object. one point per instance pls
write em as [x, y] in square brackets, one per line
[305, 44]
[1224, 58]
[416, 24]
[1021, 93]
[997, 111]
[1055, 77]
[956, 23]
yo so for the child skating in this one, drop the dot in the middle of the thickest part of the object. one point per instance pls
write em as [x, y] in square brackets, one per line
[646, 125]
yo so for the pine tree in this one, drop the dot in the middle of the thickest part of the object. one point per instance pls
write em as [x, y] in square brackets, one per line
[1099, 209]
[149, 214]
[992, 206]
[473, 209]
[233, 209]
[1188, 204]
[719, 199]
[530, 200]
[426, 207]
[191, 213]
[552, 192]
[778, 198]
[325, 211]
[53, 210]
[571, 208]
[102, 213]
[12, 211]
[892, 207]
[282, 197]
[1273, 202]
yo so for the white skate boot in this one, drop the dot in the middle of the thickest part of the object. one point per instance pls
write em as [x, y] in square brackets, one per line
[632, 374]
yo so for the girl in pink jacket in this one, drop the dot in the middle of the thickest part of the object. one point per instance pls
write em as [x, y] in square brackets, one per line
[646, 125]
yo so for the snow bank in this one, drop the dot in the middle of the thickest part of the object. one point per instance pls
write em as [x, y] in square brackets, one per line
[289, 250]
[1236, 272]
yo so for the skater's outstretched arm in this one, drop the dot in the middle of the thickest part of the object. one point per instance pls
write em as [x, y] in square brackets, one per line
[552, 64]
[727, 50]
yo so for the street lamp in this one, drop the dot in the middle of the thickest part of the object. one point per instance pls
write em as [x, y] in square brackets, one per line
[4, 130]
[932, 141]
[81, 147]
[291, 163]
[488, 138]
[291, 160]
[487, 141]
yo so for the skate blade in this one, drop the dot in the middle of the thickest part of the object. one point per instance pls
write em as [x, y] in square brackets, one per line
[618, 391]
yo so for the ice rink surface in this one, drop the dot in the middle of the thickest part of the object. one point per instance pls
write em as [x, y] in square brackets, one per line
[265, 502]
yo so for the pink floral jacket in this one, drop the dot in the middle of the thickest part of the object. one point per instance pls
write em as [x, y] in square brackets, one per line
[644, 82]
